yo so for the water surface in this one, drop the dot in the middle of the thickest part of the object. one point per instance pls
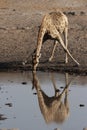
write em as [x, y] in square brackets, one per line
[33, 109]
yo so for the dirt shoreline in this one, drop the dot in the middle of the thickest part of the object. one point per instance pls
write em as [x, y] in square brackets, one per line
[19, 25]
[50, 67]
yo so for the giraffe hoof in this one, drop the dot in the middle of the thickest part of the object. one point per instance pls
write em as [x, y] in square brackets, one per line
[24, 62]
[77, 64]
[66, 62]
[50, 59]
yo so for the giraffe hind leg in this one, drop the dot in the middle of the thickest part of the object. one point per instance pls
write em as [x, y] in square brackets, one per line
[66, 43]
[67, 51]
[52, 55]
[55, 34]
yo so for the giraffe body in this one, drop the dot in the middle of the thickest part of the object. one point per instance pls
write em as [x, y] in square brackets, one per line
[54, 24]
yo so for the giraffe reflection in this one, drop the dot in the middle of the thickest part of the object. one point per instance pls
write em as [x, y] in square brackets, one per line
[55, 108]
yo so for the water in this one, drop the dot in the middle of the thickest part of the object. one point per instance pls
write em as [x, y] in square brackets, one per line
[23, 107]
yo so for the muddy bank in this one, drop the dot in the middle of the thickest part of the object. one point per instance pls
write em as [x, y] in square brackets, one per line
[19, 25]
[44, 66]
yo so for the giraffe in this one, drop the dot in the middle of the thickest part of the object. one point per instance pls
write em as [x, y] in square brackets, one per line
[53, 109]
[53, 24]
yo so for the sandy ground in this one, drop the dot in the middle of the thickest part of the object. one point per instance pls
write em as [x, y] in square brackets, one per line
[19, 25]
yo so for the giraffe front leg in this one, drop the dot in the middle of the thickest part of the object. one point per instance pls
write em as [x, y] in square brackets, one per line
[38, 48]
